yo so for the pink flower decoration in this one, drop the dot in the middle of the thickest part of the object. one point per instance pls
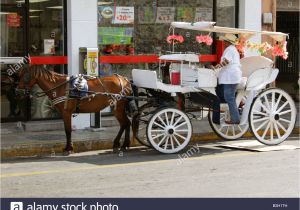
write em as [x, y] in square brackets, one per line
[280, 50]
[204, 39]
[175, 39]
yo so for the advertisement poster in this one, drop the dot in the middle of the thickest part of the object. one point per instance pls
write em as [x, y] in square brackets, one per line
[105, 14]
[203, 14]
[13, 20]
[49, 46]
[115, 35]
[165, 14]
[185, 14]
[124, 15]
[146, 14]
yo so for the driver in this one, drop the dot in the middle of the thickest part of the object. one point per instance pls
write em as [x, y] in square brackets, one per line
[229, 77]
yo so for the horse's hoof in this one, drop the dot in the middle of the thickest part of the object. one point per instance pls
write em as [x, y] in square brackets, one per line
[115, 150]
[67, 153]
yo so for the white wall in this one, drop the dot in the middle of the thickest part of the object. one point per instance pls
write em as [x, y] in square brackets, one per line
[250, 18]
[82, 32]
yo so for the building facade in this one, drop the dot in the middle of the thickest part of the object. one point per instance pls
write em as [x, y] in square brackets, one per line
[128, 33]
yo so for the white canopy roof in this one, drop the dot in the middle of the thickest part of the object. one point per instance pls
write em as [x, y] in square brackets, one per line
[193, 26]
[209, 27]
[180, 57]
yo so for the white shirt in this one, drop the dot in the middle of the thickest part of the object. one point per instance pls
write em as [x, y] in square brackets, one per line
[231, 73]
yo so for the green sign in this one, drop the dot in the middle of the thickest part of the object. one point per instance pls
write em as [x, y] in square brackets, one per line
[115, 35]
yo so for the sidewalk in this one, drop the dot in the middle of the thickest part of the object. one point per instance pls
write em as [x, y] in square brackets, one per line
[18, 143]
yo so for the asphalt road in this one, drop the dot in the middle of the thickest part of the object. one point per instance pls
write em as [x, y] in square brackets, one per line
[210, 171]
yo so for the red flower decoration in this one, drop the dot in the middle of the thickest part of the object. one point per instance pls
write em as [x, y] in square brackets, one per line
[175, 39]
[204, 39]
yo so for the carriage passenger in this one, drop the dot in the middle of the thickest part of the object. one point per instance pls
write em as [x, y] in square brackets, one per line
[229, 77]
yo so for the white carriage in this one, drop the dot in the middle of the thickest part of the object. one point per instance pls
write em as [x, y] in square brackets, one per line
[269, 112]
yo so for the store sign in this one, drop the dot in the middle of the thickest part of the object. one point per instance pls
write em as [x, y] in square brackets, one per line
[146, 14]
[92, 61]
[105, 14]
[115, 35]
[13, 20]
[124, 15]
[185, 14]
[165, 14]
[49, 46]
[203, 14]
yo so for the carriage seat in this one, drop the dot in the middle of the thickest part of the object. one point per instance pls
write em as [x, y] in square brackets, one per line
[251, 64]
[148, 79]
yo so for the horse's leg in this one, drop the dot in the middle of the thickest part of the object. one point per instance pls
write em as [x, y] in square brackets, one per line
[68, 130]
[120, 114]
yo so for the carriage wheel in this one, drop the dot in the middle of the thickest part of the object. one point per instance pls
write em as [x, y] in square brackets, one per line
[169, 130]
[272, 116]
[140, 122]
[226, 131]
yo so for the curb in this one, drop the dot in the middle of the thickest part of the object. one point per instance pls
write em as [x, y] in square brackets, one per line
[42, 150]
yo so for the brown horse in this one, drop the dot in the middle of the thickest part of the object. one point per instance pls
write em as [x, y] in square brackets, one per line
[56, 86]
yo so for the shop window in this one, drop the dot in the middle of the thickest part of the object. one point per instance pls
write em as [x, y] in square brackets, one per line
[226, 13]
[46, 38]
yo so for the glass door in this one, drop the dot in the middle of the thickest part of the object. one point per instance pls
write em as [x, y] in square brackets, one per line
[13, 57]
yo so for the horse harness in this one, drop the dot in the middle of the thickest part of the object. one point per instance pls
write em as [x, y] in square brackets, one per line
[89, 94]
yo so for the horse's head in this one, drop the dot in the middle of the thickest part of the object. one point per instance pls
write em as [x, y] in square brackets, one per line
[26, 81]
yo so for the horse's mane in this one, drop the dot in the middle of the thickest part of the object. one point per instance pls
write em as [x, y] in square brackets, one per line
[38, 72]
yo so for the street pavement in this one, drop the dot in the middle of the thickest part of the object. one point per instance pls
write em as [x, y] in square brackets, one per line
[202, 170]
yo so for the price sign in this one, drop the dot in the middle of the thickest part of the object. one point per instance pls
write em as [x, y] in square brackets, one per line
[124, 15]
[203, 14]
[165, 14]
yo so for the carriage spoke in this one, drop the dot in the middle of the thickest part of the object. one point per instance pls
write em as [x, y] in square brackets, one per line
[158, 131]
[161, 120]
[172, 118]
[178, 126]
[261, 125]
[172, 143]
[155, 137]
[233, 131]
[159, 125]
[227, 130]
[273, 100]
[263, 106]
[285, 112]
[167, 119]
[177, 121]
[166, 143]
[240, 128]
[183, 131]
[281, 126]
[277, 130]
[177, 142]
[261, 113]
[271, 131]
[177, 134]
[266, 130]
[285, 120]
[260, 119]
[162, 140]
[281, 108]
[267, 102]
[278, 101]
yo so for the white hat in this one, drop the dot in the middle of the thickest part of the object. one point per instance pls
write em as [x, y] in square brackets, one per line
[229, 38]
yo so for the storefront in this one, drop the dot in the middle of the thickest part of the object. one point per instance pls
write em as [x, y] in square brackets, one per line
[129, 34]
[31, 31]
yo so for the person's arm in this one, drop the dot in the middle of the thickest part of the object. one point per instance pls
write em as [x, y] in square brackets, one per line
[225, 62]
